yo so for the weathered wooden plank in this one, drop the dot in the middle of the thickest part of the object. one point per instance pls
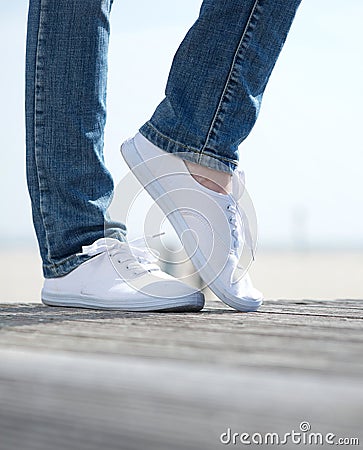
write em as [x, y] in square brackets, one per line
[72, 378]
[285, 341]
[56, 401]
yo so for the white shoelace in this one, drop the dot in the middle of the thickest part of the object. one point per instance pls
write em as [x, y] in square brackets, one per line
[235, 209]
[138, 258]
[233, 221]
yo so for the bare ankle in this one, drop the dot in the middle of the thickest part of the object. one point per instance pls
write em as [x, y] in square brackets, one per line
[214, 180]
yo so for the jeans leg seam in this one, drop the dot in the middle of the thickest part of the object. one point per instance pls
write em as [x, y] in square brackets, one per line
[194, 150]
[229, 78]
[36, 132]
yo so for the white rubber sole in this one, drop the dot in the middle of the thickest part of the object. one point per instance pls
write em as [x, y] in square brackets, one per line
[134, 159]
[190, 303]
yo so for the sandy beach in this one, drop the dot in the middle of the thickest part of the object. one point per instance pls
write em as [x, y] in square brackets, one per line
[278, 274]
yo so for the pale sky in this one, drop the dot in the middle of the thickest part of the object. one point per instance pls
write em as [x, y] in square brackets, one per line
[304, 158]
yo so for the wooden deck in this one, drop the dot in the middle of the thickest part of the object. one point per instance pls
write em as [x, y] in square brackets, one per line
[82, 380]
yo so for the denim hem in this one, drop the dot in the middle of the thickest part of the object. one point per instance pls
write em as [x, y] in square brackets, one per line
[185, 152]
[64, 267]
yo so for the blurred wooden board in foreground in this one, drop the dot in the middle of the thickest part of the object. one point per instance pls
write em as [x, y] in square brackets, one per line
[83, 380]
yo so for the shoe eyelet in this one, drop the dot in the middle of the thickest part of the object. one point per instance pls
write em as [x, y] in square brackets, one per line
[228, 207]
[127, 268]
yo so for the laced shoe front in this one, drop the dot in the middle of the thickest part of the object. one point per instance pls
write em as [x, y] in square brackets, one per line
[211, 226]
[123, 277]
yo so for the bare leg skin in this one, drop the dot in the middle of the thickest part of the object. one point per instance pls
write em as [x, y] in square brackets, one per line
[215, 180]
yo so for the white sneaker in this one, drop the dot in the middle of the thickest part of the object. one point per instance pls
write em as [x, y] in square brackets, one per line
[210, 225]
[120, 277]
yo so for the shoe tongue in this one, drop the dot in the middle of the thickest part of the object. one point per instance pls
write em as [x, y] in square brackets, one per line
[238, 184]
[100, 246]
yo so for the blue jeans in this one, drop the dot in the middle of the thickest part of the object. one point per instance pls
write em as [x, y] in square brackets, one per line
[212, 100]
